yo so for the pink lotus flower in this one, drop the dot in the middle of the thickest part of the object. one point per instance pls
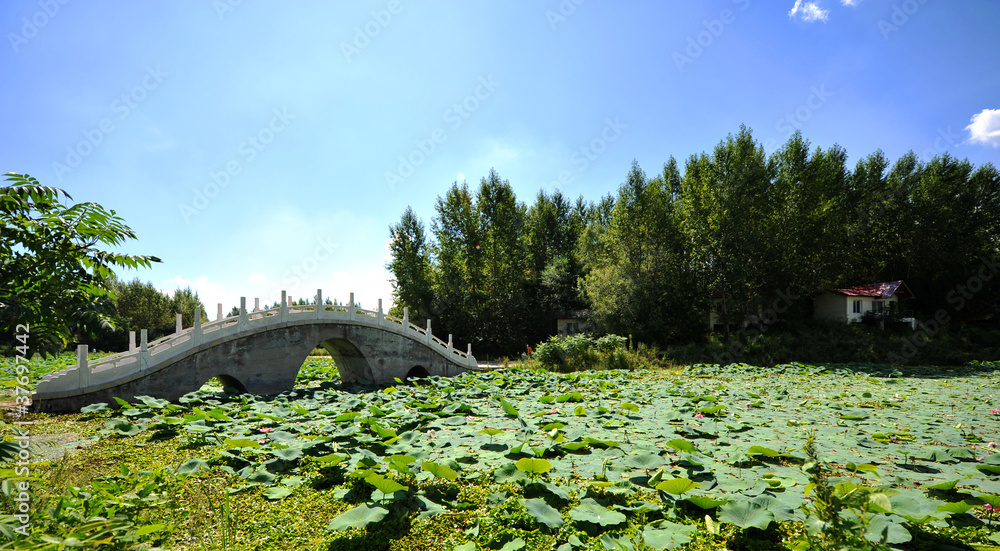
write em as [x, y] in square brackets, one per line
[995, 411]
[266, 429]
[698, 416]
[992, 445]
[431, 432]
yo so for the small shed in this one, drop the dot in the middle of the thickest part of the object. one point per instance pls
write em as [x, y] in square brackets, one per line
[850, 304]
[571, 322]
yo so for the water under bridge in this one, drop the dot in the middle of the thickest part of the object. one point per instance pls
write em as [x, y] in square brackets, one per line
[258, 352]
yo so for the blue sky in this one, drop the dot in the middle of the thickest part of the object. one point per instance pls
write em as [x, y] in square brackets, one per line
[257, 146]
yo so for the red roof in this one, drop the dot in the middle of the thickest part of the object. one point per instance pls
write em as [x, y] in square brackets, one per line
[877, 290]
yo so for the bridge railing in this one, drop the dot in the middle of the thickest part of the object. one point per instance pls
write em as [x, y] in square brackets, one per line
[141, 357]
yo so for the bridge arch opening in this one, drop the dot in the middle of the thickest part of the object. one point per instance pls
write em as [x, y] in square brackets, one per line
[417, 372]
[228, 381]
[350, 361]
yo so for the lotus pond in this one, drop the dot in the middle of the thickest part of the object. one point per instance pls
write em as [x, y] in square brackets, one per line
[706, 457]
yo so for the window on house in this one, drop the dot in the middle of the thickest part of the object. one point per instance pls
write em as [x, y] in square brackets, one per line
[878, 306]
[857, 307]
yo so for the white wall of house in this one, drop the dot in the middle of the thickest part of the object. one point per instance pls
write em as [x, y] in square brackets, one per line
[838, 307]
[571, 326]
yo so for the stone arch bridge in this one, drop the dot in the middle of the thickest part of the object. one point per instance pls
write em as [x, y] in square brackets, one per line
[259, 352]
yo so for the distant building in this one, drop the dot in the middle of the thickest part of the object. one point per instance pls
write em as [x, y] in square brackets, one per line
[849, 305]
[571, 322]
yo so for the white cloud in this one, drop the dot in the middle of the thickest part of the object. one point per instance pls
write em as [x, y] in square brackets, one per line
[255, 276]
[985, 127]
[460, 177]
[810, 11]
[850, 2]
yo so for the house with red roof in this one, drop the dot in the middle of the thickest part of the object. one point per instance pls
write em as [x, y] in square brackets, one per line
[850, 304]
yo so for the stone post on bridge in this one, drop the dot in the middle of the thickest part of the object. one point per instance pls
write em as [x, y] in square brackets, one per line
[196, 333]
[82, 366]
[219, 316]
[320, 307]
[283, 308]
[131, 341]
[380, 315]
[429, 337]
[143, 351]
[350, 308]
[244, 322]
[406, 318]
[180, 324]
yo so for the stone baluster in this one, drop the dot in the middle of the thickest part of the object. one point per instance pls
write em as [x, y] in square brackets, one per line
[429, 337]
[180, 324]
[197, 334]
[380, 315]
[256, 304]
[283, 312]
[82, 366]
[143, 350]
[450, 348]
[244, 322]
[219, 316]
[406, 319]
[320, 307]
[350, 308]
[131, 341]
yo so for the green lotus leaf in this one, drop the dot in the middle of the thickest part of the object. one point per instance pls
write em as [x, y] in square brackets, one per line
[682, 445]
[509, 408]
[887, 528]
[677, 486]
[358, 517]
[261, 477]
[706, 502]
[646, 461]
[745, 514]
[761, 450]
[439, 471]
[590, 511]
[533, 465]
[235, 443]
[191, 466]
[570, 397]
[288, 454]
[663, 534]
[278, 492]
[543, 512]
[384, 485]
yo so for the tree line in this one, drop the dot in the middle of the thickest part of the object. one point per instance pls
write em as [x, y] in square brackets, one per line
[736, 231]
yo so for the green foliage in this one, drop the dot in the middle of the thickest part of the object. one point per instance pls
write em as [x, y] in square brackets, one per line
[417, 467]
[55, 274]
